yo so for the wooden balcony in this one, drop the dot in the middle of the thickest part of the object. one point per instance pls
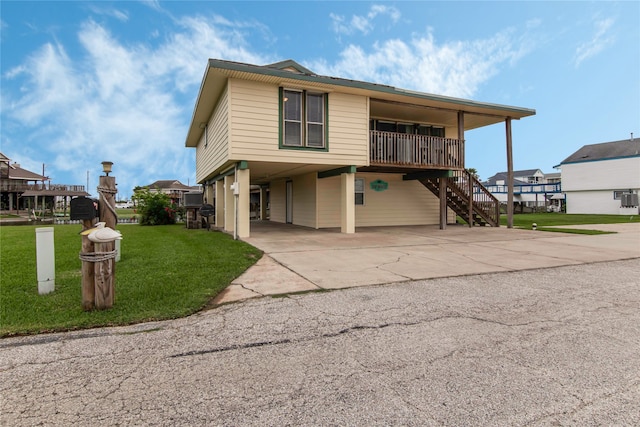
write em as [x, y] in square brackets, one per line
[17, 186]
[390, 149]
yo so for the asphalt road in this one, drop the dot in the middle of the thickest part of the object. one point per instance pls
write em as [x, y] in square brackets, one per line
[559, 346]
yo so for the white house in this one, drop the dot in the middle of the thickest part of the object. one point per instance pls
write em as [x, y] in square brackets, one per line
[532, 188]
[603, 178]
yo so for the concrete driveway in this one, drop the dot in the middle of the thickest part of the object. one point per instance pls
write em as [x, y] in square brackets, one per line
[300, 259]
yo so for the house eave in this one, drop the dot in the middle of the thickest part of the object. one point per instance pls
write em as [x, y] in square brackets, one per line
[219, 71]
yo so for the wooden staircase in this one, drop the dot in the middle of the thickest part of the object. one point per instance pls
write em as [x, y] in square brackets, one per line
[462, 188]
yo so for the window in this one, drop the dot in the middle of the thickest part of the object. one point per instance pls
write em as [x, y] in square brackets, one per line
[418, 129]
[359, 190]
[304, 116]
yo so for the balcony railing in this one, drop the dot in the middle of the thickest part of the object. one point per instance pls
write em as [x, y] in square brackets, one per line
[415, 151]
[20, 187]
[527, 188]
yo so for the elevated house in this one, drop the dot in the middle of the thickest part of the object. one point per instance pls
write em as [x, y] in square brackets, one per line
[603, 178]
[21, 189]
[334, 152]
[172, 188]
[532, 189]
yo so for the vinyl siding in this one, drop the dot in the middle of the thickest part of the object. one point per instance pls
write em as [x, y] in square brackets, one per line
[403, 203]
[214, 153]
[592, 202]
[601, 175]
[254, 125]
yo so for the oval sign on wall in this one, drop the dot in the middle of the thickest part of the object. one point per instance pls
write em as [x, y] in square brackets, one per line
[379, 185]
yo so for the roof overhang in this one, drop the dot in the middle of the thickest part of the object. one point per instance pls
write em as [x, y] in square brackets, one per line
[217, 73]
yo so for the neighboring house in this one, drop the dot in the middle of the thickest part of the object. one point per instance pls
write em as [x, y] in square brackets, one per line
[25, 190]
[531, 188]
[174, 189]
[334, 152]
[603, 178]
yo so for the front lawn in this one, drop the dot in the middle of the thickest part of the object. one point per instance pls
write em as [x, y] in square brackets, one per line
[165, 272]
[558, 219]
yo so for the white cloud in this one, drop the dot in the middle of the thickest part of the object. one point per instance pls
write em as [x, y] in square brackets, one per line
[600, 40]
[124, 103]
[114, 13]
[363, 24]
[453, 68]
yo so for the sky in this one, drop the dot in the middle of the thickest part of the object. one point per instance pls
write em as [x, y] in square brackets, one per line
[83, 82]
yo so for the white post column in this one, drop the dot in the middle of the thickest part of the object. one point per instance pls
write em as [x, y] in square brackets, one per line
[229, 211]
[219, 204]
[244, 210]
[347, 202]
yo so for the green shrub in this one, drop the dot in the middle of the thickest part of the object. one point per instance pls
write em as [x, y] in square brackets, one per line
[155, 208]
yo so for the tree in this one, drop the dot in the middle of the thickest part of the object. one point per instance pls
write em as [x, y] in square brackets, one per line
[474, 173]
[154, 208]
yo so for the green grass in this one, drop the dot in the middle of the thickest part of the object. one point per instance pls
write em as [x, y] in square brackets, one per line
[559, 219]
[165, 272]
[574, 230]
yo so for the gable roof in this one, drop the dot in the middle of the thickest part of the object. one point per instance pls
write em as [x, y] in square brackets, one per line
[16, 172]
[605, 151]
[502, 176]
[290, 65]
[168, 183]
[291, 73]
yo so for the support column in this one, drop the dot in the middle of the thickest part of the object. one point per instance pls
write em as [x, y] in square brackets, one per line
[209, 195]
[461, 137]
[263, 203]
[509, 174]
[347, 202]
[243, 205]
[229, 214]
[443, 202]
[219, 204]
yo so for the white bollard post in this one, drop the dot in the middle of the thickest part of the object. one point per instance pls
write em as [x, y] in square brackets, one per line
[45, 260]
[118, 250]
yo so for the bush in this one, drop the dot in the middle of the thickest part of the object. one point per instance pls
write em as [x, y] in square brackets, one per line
[155, 208]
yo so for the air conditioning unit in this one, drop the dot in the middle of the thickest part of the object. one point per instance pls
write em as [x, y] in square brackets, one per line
[629, 200]
[193, 199]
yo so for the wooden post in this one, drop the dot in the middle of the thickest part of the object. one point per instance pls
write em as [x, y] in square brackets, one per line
[509, 174]
[470, 178]
[88, 284]
[443, 202]
[105, 270]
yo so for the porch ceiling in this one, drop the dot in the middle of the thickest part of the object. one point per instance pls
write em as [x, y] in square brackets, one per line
[415, 113]
[265, 172]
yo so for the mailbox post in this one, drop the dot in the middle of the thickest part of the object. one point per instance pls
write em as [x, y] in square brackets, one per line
[86, 210]
[106, 270]
[98, 259]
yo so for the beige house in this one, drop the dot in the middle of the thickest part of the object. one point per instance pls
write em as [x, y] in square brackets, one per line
[172, 188]
[334, 152]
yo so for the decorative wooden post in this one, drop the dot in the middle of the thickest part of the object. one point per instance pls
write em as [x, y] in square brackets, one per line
[105, 268]
[88, 283]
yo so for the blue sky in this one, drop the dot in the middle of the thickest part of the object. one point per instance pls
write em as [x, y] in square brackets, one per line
[84, 82]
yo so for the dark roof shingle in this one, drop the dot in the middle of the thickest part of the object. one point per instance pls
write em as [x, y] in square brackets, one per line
[604, 151]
